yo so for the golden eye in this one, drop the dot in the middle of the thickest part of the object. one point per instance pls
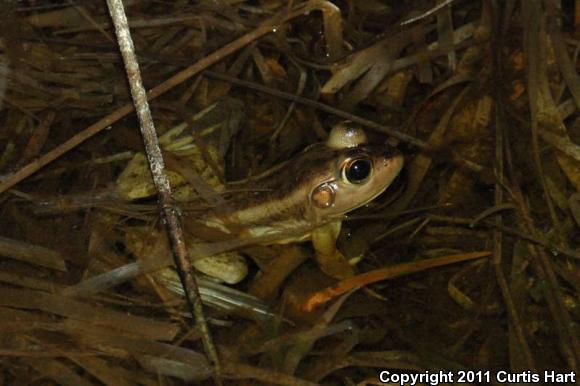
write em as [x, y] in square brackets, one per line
[357, 170]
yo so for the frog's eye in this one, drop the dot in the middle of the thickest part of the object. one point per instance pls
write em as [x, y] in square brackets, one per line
[357, 171]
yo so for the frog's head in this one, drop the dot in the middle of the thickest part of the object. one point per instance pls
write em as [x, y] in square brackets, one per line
[356, 172]
[320, 184]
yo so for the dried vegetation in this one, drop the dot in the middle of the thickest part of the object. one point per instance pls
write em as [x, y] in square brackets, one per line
[471, 261]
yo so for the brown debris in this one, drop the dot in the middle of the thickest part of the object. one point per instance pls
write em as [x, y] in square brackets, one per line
[473, 257]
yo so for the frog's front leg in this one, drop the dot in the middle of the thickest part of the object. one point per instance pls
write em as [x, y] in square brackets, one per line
[330, 260]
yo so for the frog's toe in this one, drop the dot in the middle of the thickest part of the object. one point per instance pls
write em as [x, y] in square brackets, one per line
[229, 267]
[336, 265]
[355, 260]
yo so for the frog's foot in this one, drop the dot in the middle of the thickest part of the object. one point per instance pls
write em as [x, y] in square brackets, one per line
[228, 266]
[335, 265]
[355, 260]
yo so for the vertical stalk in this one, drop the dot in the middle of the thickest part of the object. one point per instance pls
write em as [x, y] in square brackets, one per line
[153, 151]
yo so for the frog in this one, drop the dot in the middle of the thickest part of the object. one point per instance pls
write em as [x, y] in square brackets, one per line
[303, 198]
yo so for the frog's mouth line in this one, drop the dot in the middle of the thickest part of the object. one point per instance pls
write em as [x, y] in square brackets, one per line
[397, 186]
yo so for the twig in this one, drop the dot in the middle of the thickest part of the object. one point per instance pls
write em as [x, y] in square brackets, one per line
[514, 315]
[432, 11]
[4, 71]
[543, 265]
[534, 239]
[83, 12]
[542, 106]
[325, 295]
[180, 77]
[320, 106]
[153, 151]
[539, 94]
[463, 163]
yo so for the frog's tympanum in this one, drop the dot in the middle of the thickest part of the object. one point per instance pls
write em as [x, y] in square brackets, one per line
[303, 198]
